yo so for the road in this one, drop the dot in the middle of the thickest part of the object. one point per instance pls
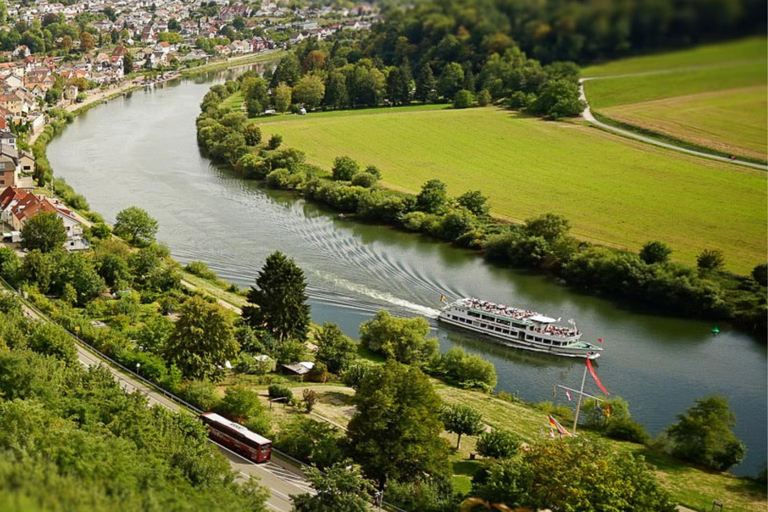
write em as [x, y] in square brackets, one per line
[587, 114]
[282, 479]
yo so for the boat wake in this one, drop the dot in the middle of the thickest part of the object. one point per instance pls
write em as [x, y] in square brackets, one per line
[378, 296]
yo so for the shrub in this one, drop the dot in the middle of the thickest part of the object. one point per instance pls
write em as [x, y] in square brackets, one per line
[280, 391]
[344, 168]
[200, 393]
[311, 441]
[240, 404]
[498, 443]
[275, 141]
[463, 99]
[364, 179]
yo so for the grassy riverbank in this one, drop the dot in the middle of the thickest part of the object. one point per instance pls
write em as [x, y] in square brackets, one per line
[527, 166]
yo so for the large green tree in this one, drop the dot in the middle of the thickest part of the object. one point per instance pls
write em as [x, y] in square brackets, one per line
[136, 226]
[45, 231]
[310, 91]
[202, 340]
[278, 302]
[703, 434]
[572, 474]
[402, 339]
[395, 432]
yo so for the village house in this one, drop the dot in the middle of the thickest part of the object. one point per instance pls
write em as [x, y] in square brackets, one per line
[18, 206]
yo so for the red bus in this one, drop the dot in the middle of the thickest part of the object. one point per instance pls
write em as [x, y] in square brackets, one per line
[237, 438]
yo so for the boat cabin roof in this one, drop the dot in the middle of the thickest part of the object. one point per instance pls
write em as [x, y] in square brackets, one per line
[541, 319]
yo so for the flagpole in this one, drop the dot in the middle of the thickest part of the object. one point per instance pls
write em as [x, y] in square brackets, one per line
[578, 404]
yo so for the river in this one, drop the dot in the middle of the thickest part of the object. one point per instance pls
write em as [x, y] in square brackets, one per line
[141, 150]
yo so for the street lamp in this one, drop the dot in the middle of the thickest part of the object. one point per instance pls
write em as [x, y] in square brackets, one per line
[138, 365]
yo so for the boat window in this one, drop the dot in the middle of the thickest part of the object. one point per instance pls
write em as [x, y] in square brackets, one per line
[469, 322]
[502, 322]
[472, 313]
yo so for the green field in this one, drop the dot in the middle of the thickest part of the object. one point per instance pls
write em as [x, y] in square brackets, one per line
[712, 96]
[612, 190]
[752, 48]
[611, 92]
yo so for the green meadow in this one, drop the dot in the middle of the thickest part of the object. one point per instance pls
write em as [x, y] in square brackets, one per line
[613, 191]
[713, 96]
[753, 48]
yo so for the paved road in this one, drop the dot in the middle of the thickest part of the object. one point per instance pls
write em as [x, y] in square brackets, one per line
[587, 114]
[282, 479]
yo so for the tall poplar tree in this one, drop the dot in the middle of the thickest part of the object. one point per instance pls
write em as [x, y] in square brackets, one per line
[278, 302]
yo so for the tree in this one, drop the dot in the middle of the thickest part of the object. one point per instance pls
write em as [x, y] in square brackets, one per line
[282, 97]
[395, 432]
[426, 85]
[240, 403]
[703, 434]
[344, 168]
[433, 197]
[710, 259]
[335, 349]
[655, 252]
[336, 90]
[558, 98]
[127, 63]
[461, 419]
[278, 302]
[463, 99]
[451, 80]
[402, 339]
[275, 141]
[86, 42]
[498, 444]
[549, 226]
[135, 226]
[252, 134]
[310, 91]
[572, 474]
[45, 231]
[475, 202]
[342, 489]
[288, 71]
[760, 274]
[483, 98]
[202, 340]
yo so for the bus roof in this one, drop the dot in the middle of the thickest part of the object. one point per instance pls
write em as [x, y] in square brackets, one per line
[251, 436]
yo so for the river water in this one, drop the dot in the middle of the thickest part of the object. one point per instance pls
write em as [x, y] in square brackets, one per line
[141, 150]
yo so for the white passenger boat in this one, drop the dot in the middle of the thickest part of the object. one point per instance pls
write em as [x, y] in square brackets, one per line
[518, 328]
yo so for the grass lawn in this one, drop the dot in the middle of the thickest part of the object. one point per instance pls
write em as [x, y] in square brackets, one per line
[712, 96]
[753, 48]
[612, 190]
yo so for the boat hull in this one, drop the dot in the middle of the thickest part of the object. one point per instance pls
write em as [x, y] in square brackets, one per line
[509, 341]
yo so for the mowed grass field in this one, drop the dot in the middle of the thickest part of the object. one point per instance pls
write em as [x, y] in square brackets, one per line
[713, 96]
[613, 191]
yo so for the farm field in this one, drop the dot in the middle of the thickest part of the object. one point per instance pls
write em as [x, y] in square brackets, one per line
[707, 119]
[713, 96]
[612, 190]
